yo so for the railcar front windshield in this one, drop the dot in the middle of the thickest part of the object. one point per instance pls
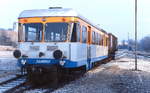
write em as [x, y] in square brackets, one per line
[33, 31]
[56, 32]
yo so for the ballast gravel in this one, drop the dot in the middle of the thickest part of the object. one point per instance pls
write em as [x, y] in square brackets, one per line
[117, 76]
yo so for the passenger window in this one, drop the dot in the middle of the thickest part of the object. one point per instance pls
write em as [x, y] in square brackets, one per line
[76, 33]
[84, 34]
[106, 41]
[97, 38]
[93, 37]
[102, 40]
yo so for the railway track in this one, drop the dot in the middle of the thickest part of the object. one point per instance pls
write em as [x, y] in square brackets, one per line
[120, 55]
[144, 55]
[140, 55]
[11, 84]
[19, 84]
[15, 83]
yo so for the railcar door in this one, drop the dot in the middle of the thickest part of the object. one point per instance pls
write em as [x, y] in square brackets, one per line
[89, 48]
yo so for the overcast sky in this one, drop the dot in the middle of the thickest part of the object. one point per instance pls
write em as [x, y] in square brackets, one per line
[115, 16]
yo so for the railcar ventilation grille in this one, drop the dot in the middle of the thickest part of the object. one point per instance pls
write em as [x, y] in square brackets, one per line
[52, 48]
[55, 7]
[34, 48]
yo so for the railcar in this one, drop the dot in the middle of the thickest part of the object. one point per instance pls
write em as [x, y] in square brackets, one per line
[112, 45]
[49, 38]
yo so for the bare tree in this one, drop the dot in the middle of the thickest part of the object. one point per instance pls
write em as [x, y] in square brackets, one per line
[4, 39]
[131, 44]
[145, 43]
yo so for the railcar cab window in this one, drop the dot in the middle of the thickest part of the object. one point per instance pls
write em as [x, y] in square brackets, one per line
[56, 32]
[33, 31]
[84, 34]
[75, 37]
[21, 33]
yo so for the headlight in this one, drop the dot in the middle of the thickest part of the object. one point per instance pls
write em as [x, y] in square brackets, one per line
[23, 62]
[57, 54]
[62, 63]
[17, 53]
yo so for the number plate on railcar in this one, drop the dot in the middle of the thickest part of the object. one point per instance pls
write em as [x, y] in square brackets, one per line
[43, 61]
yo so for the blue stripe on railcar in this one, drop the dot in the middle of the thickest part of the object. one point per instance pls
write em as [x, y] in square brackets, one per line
[47, 62]
[98, 58]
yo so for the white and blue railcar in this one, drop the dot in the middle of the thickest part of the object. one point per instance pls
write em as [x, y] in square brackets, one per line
[59, 37]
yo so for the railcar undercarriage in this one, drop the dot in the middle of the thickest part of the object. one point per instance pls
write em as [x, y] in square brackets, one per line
[53, 75]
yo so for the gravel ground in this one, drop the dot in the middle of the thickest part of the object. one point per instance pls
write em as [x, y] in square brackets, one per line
[36, 91]
[116, 76]
[92, 82]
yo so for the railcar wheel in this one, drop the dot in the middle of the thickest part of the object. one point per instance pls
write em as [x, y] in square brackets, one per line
[44, 76]
[113, 56]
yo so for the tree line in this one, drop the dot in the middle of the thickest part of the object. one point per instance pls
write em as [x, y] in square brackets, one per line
[6, 39]
[143, 44]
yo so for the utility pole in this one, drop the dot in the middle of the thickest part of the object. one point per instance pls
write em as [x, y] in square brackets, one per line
[128, 42]
[135, 34]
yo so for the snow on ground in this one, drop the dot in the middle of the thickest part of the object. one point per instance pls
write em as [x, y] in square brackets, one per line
[129, 63]
[6, 77]
[6, 54]
[116, 76]
[36, 91]
[8, 64]
[6, 48]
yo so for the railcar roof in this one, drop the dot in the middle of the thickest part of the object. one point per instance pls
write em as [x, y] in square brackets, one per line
[48, 12]
[62, 12]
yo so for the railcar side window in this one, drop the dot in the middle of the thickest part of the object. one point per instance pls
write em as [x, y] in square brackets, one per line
[98, 41]
[96, 38]
[78, 32]
[56, 32]
[33, 31]
[111, 41]
[102, 40]
[84, 34]
[21, 33]
[106, 41]
[93, 37]
[75, 37]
